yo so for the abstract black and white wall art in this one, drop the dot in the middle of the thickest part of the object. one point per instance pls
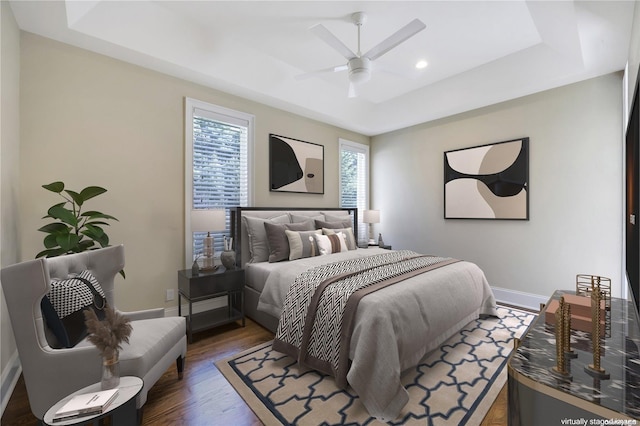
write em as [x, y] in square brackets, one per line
[488, 182]
[295, 165]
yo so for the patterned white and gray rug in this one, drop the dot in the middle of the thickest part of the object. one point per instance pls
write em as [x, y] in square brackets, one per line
[454, 385]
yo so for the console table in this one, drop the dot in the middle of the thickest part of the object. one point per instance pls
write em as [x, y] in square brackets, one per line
[536, 397]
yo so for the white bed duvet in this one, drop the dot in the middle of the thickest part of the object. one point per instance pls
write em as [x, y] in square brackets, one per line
[397, 326]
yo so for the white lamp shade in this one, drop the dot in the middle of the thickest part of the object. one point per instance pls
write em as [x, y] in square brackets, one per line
[371, 216]
[208, 220]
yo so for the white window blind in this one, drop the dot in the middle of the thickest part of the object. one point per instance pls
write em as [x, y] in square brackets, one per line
[218, 142]
[354, 179]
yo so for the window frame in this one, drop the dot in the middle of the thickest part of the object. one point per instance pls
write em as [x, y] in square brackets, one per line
[233, 117]
[347, 145]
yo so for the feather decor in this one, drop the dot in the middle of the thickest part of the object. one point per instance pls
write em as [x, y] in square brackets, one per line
[109, 334]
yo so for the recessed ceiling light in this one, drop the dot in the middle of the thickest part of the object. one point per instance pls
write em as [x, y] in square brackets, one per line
[422, 64]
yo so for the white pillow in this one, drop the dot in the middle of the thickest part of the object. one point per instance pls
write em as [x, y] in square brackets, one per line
[328, 244]
[348, 236]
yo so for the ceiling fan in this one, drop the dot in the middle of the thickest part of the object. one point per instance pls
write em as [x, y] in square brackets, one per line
[358, 64]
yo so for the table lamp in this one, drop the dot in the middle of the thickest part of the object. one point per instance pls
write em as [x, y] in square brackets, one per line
[371, 217]
[208, 221]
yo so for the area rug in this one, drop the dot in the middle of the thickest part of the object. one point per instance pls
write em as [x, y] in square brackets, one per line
[454, 385]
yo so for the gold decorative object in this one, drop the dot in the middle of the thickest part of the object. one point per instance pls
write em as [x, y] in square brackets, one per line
[594, 369]
[562, 328]
[566, 324]
[585, 285]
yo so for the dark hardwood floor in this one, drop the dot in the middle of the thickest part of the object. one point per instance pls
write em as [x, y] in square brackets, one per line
[203, 396]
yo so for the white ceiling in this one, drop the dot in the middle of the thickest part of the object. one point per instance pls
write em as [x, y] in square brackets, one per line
[479, 52]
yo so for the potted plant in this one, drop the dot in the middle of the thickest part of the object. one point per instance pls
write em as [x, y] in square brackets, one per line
[108, 335]
[74, 230]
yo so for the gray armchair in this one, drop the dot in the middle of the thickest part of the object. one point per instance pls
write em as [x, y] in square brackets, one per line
[51, 374]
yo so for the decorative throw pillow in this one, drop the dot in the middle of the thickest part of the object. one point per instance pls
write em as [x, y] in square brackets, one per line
[258, 243]
[346, 223]
[295, 218]
[63, 306]
[302, 243]
[328, 244]
[277, 239]
[338, 218]
[348, 236]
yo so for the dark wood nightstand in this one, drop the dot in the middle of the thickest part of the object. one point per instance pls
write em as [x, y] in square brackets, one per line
[207, 285]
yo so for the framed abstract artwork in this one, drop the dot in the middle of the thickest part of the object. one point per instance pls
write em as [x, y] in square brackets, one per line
[295, 166]
[488, 181]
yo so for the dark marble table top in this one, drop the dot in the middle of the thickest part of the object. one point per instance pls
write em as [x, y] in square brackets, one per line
[620, 359]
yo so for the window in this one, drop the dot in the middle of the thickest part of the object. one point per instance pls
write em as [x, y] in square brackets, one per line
[217, 156]
[354, 180]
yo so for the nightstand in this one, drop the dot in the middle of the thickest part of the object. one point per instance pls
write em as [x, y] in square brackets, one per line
[208, 285]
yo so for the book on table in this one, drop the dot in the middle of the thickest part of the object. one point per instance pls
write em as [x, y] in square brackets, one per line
[86, 404]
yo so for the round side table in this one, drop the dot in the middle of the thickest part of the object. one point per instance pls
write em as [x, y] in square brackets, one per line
[122, 410]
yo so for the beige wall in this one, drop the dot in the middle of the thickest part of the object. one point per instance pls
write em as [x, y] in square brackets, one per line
[91, 120]
[575, 188]
[9, 180]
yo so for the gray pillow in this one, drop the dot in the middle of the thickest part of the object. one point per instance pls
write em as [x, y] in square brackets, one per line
[346, 223]
[348, 236]
[258, 244]
[295, 218]
[301, 243]
[277, 239]
[337, 218]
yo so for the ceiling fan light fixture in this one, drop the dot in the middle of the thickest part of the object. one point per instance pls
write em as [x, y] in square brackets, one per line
[360, 64]
[359, 70]
[421, 64]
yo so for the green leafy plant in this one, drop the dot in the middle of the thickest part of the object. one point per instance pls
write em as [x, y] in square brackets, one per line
[74, 230]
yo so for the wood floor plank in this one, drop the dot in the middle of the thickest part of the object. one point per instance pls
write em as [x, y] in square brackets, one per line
[203, 396]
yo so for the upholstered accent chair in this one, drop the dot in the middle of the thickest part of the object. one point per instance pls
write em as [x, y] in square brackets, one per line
[50, 374]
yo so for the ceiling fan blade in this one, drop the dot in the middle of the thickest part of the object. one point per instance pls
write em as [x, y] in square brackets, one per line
[353, 92]
[322, 32]
[306, 75]
[404, 33]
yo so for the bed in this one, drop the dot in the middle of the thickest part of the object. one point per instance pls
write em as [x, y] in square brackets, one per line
[421, 300]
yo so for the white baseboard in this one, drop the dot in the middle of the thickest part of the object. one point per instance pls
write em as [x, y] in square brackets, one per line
[519, 298]
[511, 297]
[10, 376]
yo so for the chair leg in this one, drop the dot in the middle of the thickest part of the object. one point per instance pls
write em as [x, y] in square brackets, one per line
[139, 414]
[180, 366]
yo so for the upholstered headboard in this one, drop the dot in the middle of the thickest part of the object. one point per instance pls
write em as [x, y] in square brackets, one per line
[279, 215]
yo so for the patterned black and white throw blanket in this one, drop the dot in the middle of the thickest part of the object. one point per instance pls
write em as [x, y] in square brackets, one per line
[320, 307]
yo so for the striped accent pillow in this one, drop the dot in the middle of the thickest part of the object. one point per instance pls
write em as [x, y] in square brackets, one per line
[302, 244]
[348, 236]
[328, 244]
